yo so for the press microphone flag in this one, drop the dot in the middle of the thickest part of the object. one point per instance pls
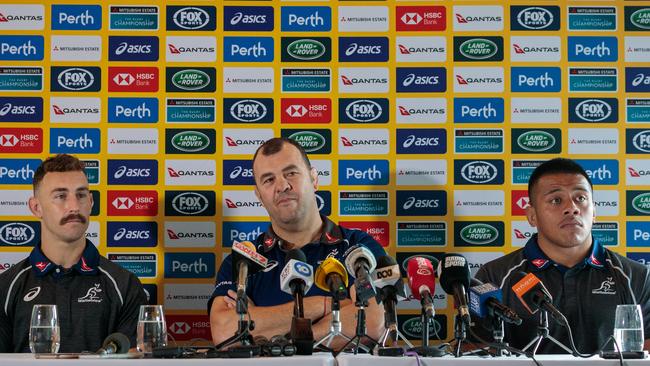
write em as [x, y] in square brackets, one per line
[485, 300]
[332, 277]
[296, 273]
[245, 262]
[534, 296]
[422, 282]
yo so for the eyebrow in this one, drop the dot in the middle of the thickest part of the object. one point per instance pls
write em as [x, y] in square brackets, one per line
[284, 170]
[62, 189]
[582, 189]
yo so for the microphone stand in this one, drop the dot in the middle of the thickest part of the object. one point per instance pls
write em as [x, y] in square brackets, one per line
[244, 327]
[361, 331]
[425, 350]
[335, 328]
[301, 329]
[543, 333]
[498, 334]
[460, 334]
[391, 332]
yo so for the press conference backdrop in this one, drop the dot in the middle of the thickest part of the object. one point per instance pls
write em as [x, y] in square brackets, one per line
[423, 119]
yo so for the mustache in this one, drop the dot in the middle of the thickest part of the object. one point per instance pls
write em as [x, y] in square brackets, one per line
[284, 195]
[73, 217]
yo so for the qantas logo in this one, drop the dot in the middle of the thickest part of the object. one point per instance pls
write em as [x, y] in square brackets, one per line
[637, 173]
[231, 204]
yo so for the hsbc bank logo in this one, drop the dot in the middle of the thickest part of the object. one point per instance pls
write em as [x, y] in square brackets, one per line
[21, 140]
[421, 79]
[242, 203]
[133, 79]
[421, 110]
[420, 18]
[238, 172]
[306, 110]
[192, 203]
[132, 203]
[520, 202]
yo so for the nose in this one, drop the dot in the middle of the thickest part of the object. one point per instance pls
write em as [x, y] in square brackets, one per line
[72, 204]
[283, 185]
[572, 208]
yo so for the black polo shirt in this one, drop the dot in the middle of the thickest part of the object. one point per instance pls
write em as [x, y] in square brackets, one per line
[94, 298]
[264, 287]
[586, 294]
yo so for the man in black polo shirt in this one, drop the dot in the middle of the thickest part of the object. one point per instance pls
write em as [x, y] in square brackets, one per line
[94, 297]
[285, 183]
[586, 280]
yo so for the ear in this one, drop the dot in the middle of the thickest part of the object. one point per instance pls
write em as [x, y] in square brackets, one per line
[531, 216]
[35, 207]
[92, 203]
[313, 173]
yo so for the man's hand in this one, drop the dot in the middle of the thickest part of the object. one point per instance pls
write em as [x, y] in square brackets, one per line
[231, 301]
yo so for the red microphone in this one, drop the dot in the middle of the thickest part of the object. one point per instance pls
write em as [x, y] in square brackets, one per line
[422, 282]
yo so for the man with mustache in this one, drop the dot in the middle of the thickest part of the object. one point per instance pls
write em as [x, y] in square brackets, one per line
[286, 184]
[586, 280]
[94, 297]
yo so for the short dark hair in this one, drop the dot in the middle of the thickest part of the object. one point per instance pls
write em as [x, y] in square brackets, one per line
[59, 163]
[556, 166]
[275, 144]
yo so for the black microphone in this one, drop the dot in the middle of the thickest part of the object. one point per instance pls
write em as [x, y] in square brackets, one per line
[534, 296]
[296, 278]
[454, 275]
[115, 343]
[390, 287]
[485, 301]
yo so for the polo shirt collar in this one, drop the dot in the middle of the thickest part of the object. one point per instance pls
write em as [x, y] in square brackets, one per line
[330, 235]
[541, 261]
[87, 265]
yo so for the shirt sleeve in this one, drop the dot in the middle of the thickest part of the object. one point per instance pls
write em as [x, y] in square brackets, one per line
[644, 301]
[224, 281]
[135, 297]
[362, 238]
[5, 332]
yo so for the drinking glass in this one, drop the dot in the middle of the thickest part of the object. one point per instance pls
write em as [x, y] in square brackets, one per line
[152, 330]
[44, 332]
[628, 327]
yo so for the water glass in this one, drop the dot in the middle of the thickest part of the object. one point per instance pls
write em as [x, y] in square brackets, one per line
[44, 332]
[628, 328]
[152, 330]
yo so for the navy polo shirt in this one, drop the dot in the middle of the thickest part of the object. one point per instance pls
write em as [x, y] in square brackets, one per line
[94, 298]
[587, 294]
[264, 287]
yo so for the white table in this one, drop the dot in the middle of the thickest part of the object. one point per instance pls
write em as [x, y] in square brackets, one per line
[545, 360]
[26, 359]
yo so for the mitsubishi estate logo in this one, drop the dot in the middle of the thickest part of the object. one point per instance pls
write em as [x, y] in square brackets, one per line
[91, 295]
[606, 288]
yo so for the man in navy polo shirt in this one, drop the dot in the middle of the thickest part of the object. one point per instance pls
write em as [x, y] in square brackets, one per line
[585, 279]
[94, 297]
[285, 183]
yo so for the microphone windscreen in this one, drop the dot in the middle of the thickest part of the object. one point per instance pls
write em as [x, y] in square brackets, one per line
[453, 269]
[329, 266]
[385, 261]
[421, 276]
[296, 254]
[121, 342]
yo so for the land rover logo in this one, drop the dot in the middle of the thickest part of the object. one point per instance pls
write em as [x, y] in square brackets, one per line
[641, 203]
[642, 141]
[16, 233]
[479, 234]
[641, 18]
[413, 328]
[593, 110]
[363, 110]
[248, 110]
[310, 141]
[478, 48]
[191, 79]
[191, 18]
[190, 141]
[306, 49]
[535, 18]
[536, 141]
[479, 172]
[190, 203]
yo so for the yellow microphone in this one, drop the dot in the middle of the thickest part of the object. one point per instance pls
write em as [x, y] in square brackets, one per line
[331, 276]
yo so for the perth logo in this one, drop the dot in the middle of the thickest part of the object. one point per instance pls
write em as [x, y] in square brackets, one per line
[606, 288]
[91, 295]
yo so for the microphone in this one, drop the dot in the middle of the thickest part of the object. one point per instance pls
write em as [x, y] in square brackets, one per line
[296, 279]
[362, 262]
[331, 276]
[485, 301]
[454, 275]
[422, 282]
[534, 296]
[387, 279]
[115, 343]
[245, 261]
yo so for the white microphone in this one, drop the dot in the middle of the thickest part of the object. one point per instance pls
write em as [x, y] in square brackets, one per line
[296, 271]
[361, 262]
